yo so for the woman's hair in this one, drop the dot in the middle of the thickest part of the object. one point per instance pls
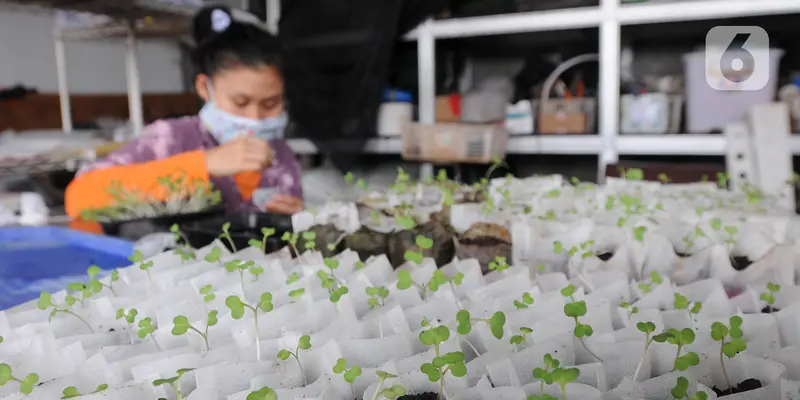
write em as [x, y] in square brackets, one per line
[224, 43]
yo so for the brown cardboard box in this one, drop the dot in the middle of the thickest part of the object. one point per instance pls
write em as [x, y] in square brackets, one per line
[448, 108]
[566, 116]
[454, 143]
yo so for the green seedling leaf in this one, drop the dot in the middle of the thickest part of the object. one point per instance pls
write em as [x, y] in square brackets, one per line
[404, 280]
[181, 325]
[681, 388]
[423, 242]
[576, 309]
[214, 255]
[568, 291]
[305, 342]
[294, 277]
[681, 302]
[646, 327]
[527, 300]
[212, 318]
[265, 302]
[686, 361]
[236, 306]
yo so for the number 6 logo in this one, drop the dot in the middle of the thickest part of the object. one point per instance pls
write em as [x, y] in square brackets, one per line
[737, 58]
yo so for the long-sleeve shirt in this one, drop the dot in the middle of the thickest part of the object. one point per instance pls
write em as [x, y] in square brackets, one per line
[177, 146]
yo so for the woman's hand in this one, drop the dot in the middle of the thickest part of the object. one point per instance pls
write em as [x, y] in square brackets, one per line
[284, 204]
[239, 155]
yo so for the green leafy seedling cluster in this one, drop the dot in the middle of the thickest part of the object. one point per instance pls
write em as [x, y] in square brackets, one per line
[423, 243]
[496, 323]
[238, 308]
[46, 302]
[266, 233]
[377, 296]
[655, 279]
[336, 288]
[182, 326]
[681, 302]
[138, 257]
[26, 385]
[525, 302]
[304, 343]
[453, 362]
[310, 240]
[576, 309]
[522, 337]
[96, 285]
[390, 393]
[499, 264]
[349, 374]
[681, 391]
[545, 375]
[264, 393]
[769, 295]
[71, 391]
[730, 339]
[174, 382]
[438, 279]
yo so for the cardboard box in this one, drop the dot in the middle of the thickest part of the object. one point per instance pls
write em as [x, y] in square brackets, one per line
[448, 108]
[454, 143]
[566, 116]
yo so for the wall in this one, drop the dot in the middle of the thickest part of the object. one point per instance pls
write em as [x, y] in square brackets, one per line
[27, 57]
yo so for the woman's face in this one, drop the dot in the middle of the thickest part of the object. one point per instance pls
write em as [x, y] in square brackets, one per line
[250, 92]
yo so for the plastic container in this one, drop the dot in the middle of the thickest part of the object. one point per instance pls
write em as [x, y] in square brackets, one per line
[708, 109]
[158, 224]
[393, 116]
[650, 113]
[244, 226]
[39, 259]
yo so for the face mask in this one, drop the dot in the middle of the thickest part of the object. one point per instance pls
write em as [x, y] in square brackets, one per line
[225, 126]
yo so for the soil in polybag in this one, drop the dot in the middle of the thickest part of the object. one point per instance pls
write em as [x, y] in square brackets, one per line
[443, 248]
[367, 243]
[328, 239]
[484, 242]
[423, 396]
[744, 386]
[244, 227]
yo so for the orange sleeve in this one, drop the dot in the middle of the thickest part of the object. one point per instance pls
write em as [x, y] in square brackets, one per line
[89, 191]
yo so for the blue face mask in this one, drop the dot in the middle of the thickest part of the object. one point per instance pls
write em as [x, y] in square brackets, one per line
[225, 126]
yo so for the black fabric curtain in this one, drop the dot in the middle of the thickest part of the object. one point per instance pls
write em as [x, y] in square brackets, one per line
[336, 61]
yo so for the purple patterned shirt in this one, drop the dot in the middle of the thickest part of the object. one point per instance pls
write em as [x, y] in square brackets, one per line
[166, 138]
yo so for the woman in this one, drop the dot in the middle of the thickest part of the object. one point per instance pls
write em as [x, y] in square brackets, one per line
[235, 142]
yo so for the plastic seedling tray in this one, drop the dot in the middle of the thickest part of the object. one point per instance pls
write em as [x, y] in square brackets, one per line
[39, 259]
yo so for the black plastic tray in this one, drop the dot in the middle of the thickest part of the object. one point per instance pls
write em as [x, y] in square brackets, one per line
[244, 226]
[161, 223]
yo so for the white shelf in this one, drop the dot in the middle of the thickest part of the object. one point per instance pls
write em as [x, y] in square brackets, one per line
[673, 145]
[702, 10]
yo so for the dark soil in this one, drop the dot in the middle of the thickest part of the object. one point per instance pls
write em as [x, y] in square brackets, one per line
[769, 309]
[326, 234]
[740, 262]
[485, 242]
[605, 256]
[745, 386]
[423, 396]
[367, 242]
[443, 249]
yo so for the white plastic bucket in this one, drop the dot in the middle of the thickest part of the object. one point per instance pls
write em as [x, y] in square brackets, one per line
[393, 116]
[708, 109]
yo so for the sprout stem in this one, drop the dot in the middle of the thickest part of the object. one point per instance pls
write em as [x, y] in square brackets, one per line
[258, 343]
[378, 389]
[64, 310]
[589, 350]
[722, 363]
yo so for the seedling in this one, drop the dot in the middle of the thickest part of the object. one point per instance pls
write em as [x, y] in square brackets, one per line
[184, 251]
[563, 377]
[25, 385]
[303, 344]
[71, 391]
[147, 328]
[681, 391]
[238, 307]
[262, 244]
[545, 375]
[145, 266]
[207, 292]
[241, 267]
[291, 239]
[681, 338]
[586, 251]
[85, 291]
[359, 265]
[46, 302]
[96, 285]
[182, 326]
[226, 234]
[174, 382]
[423, 243]
[129, 316]
[499, 264]
[655, 279]
[264, 393]
[522, 337]
[310, 239]
[390, 393]
[730, 340]
[525, 302]
[682, 303]
[214, 256]
[405, 222]
[769, 295]
[294, 277]
[576, 310]
[296, 294]
[336, 288]
[377, 296]
[496, 323]
[728, 232]
[349, 374]
[453, 362]
[648, 328]
[439, 278]
[629, 308]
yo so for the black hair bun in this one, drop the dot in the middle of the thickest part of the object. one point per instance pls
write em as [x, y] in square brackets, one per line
[211, 21]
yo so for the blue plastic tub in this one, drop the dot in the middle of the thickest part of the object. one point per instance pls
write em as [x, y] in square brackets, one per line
[33, 260]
